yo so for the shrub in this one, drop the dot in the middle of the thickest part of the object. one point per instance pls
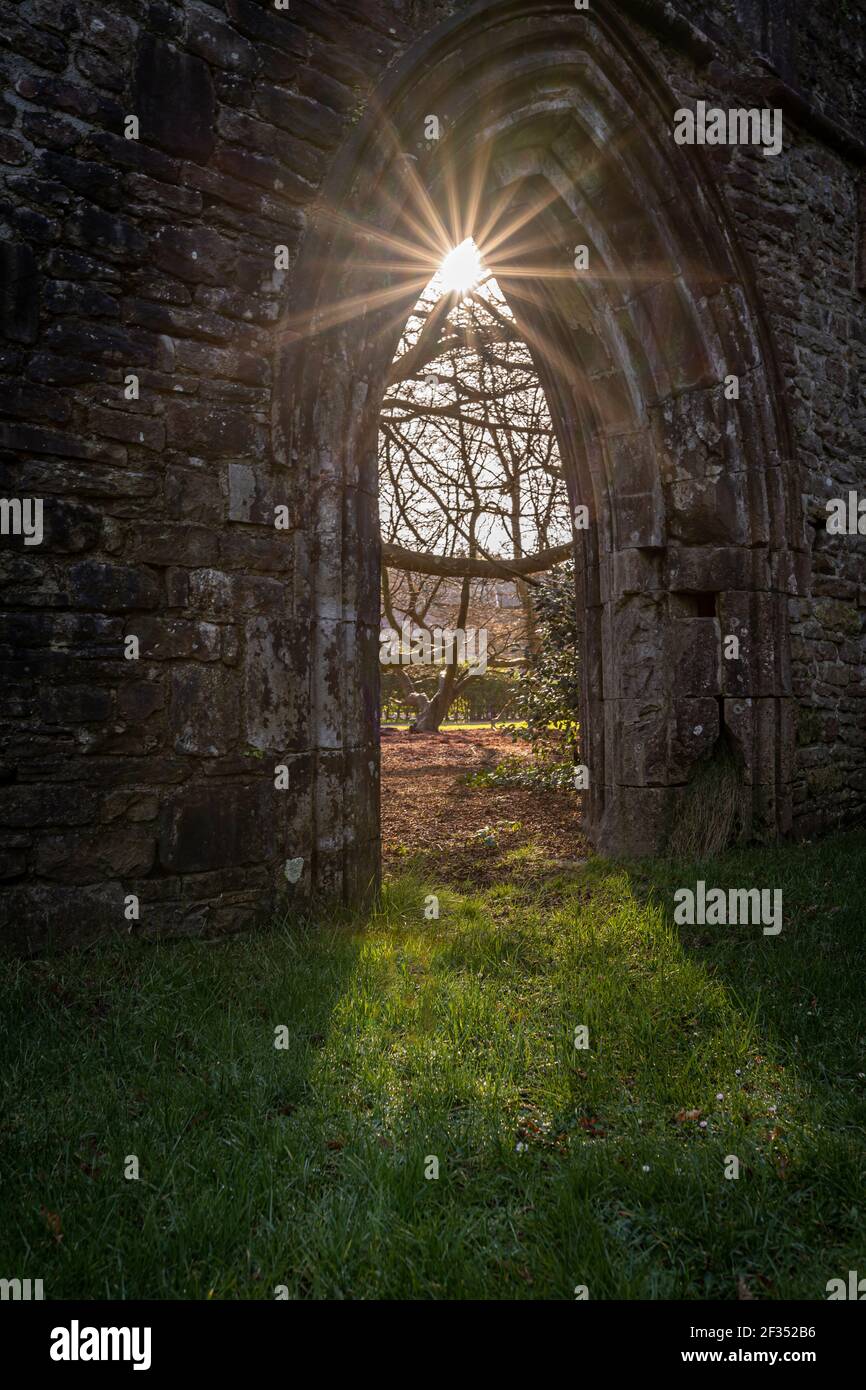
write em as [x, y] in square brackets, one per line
[548, 692]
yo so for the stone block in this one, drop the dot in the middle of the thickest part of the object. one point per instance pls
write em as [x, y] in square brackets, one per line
[174, 99]
[207, 828]
[19, 292]
[636, 820]
[205, 709]
[276, 684]
[693, 652]
[634, 641]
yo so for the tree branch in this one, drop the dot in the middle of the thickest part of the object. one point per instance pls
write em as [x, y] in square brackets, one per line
[460, 566]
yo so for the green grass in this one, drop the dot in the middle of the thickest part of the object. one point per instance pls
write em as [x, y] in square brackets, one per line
[410, 1038]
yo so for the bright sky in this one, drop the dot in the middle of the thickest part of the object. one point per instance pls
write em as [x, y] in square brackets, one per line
[462, 271]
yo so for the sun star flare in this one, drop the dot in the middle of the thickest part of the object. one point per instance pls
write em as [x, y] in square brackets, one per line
[461, 268]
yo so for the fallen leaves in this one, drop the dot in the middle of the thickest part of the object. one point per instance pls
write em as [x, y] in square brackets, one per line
[427, 806]
[592, 1126]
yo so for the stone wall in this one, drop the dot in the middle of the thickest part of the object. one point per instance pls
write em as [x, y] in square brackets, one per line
[797, 217]
[154, 258]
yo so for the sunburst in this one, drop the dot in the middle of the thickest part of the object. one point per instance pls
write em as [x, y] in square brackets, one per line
[461, 268]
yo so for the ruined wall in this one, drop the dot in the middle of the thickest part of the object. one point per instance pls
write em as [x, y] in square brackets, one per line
[797, 217]
[155, 258]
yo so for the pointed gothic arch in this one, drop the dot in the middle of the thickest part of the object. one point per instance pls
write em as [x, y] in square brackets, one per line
[554, 120]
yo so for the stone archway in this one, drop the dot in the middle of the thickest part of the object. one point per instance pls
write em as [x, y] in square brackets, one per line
[556, 123]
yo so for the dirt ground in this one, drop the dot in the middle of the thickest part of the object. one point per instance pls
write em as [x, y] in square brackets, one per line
[466, 831]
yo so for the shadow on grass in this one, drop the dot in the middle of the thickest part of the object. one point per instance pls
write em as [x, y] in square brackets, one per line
[164, 1053]
[789, 1010]
[806, 986]
[431, 1130]
[706, 1045]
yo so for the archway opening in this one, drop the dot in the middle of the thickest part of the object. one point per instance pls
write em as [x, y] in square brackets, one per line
[476, 534]
[614, 254]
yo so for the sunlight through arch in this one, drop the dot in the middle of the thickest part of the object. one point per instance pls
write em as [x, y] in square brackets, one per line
[472, 500]
[461, 269]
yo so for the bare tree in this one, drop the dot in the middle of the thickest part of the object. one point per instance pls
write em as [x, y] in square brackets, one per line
[470, 481]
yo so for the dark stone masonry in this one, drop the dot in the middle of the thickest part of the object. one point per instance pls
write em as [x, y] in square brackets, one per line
[197, 320]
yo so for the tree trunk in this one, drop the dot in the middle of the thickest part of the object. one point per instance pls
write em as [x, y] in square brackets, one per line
[430, 713]
[429, 716]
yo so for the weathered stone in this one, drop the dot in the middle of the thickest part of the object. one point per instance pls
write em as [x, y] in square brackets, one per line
[94, 181]
[61, 371]
[711, 510]
[63, 297]
[52, 132]
[34, 916]
[69, 96]
[150, 190]
[39, 405]
[156, 257]
[138, 702]
[102, 342]
[635, 645]
[267, 27]
[115, 237]
[694, 654]
[275, 705]
[205, 710]
[96, 857]
[250, 496]
[19, 292]
[211, 432]
[38, 440]
[265, 139]
[70, 527]
[303, 118]
[219, 45]
[195, 255]
[202, 829]
[94, 584]
[74, 705]
[131, 429]
[638, 820]
[160, 543]
[169, 639]
[167, 319]
[225, 595]
[174, 99]
[37, 806]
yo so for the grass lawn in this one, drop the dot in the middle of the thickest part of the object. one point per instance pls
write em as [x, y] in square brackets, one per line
[410, 1038]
